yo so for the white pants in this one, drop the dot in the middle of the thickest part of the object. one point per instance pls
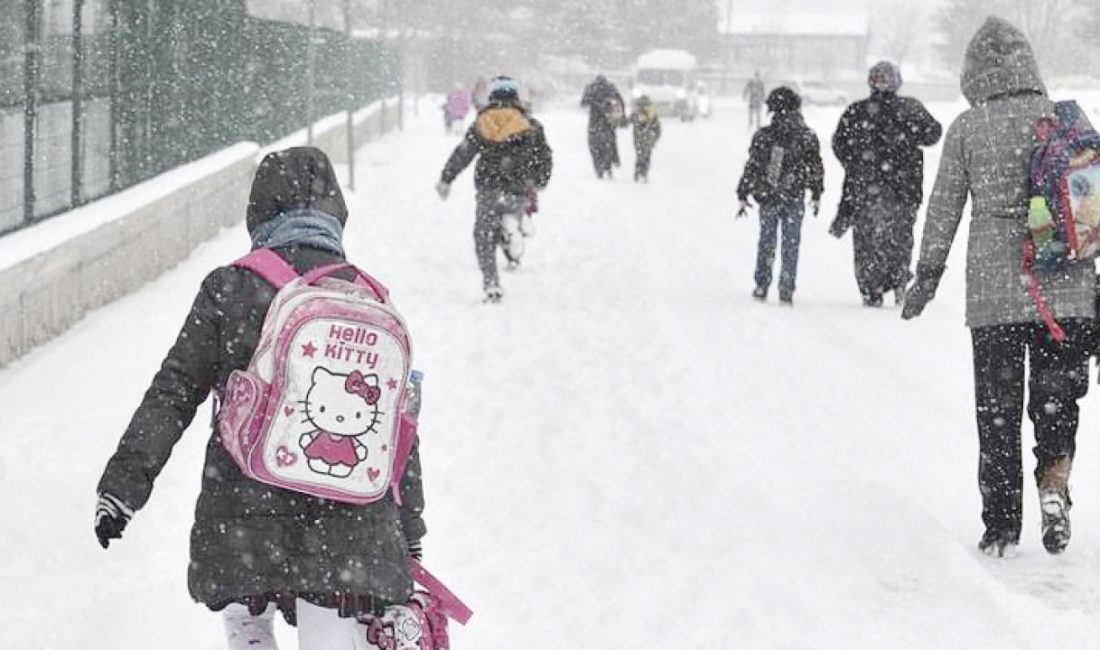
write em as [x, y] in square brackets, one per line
[318, 629]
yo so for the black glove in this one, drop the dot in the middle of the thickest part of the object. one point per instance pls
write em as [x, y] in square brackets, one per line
[111, 516]
[921, 291]
[744, 208]
[416, 549]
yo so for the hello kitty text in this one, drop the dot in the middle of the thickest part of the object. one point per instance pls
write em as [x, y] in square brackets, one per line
[349, 343]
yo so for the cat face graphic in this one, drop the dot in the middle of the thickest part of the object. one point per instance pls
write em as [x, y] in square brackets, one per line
[345, 405]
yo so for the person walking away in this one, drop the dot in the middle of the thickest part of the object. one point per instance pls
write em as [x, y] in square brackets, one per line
[254, 547]
[753, 94]
[605, 114]
[647, 130]
[514, 161]
[878, 142]
[985, 157]
[456, 107]
[784, 163]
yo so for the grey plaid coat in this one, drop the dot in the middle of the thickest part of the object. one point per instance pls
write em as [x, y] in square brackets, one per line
[986, 157]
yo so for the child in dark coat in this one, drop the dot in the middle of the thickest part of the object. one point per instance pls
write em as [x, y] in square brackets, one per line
[255, 548]
[784, 162]
[647, 130]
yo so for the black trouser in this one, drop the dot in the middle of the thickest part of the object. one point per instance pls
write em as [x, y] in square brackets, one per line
[604, 147]
[492, 206]
[642, 153]
[883, 246]
[1057, 378]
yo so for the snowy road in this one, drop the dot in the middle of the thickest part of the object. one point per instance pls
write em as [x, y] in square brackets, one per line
[627, 453]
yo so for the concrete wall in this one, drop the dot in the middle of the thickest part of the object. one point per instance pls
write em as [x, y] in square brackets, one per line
[54, 273]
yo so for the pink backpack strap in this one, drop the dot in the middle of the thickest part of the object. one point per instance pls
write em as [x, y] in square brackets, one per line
[380, 291]
[448, 602]
[267, 264]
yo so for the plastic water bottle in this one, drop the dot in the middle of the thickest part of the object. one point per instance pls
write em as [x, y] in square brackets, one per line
[412, 405]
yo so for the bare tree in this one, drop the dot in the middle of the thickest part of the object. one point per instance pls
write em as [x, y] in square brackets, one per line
[897, 28]
[1051, 27]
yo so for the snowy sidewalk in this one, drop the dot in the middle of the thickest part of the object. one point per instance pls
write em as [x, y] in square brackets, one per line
[628, 452]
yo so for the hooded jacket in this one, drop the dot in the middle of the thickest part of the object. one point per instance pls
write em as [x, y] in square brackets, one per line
[251, 540]
[514, 154]
[985, 158]
[784, 162]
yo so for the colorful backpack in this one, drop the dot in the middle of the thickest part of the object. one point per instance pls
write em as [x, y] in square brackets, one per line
[321, 407]
[420, 624]
[1064, 212]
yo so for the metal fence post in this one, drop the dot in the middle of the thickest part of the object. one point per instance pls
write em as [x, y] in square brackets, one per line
[309, 73]
[78, 104]
[349, 44]
[31, 62]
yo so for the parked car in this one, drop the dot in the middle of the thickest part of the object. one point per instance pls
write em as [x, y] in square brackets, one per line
[814, 92]
[1083, 88]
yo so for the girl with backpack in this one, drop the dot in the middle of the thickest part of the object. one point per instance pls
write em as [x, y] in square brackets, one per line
[784, 162]
[256, 548]
[986, 158]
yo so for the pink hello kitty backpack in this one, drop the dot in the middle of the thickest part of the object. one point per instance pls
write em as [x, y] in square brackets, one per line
[320, 408]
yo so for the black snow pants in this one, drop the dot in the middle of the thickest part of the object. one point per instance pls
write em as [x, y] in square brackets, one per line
[1057, 378]
[492, 207]
[642, 153]
[603, 145]
[883, 246]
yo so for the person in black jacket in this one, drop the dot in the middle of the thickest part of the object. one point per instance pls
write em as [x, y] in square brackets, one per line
[255, 548]
[878, 141]
[784, 162]
[606, 112]
[515, 162]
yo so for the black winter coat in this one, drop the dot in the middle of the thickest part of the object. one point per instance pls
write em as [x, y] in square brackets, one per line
[514, 154]
[878, 141]
[784, 162]
[251, 541]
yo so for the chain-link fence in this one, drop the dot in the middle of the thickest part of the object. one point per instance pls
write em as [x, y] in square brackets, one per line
[97, 95]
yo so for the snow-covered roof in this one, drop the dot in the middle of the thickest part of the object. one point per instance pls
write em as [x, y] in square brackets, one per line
[797, 24]
[667, 60]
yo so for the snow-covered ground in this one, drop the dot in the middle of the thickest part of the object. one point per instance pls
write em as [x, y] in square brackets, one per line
[628, 452]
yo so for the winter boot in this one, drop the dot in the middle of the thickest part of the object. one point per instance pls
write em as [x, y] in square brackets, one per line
[493, 294]
[786, 297]
[760, 293]
[872, 300]
[1055, 504]
[997, 543]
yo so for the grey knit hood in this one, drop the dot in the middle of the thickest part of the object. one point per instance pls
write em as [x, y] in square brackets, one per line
[999, 61]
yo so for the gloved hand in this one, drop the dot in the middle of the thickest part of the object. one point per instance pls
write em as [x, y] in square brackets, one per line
[921, 292]
[815, 206]
[744, 210]
[111, 516]
[443, 189]
[837, 229]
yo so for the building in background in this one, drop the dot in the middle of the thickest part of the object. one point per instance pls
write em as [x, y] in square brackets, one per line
[826, 47]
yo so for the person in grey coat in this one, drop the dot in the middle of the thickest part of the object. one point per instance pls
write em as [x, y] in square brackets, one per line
[255, 547]
[985, 158]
